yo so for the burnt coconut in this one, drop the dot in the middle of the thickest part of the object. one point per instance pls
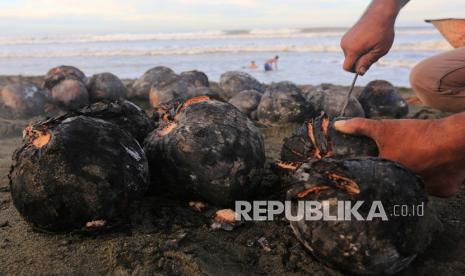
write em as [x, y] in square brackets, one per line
[208, 150]
[196, 78]
[283, 103]
[106, 86]
[317, 139]
[233, 82]
[123, 113]
[247, 102]
[332, 102]
[380, 99]
[70, 95]
[58, 74]
[173, 91]
[173, 88]
[71, 171]
[374, 246]
[21, 101]
[141, 87]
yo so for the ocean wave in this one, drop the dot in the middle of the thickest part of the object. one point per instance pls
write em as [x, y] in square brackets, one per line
[224, 49]
[218, 34]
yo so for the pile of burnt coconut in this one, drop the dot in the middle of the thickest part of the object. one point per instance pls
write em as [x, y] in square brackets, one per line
[329, 168]
[284, 102]
[70, 89]
[64, 87]
[83, 168]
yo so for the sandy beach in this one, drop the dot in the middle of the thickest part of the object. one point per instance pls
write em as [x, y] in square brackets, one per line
[166, 237]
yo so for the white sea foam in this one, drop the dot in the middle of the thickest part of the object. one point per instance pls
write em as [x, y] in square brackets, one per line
[228, 34]
[309, 55]
[200, 50]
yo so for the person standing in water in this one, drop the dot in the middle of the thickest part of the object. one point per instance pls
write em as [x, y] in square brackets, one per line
[269, 64]
[253, 65]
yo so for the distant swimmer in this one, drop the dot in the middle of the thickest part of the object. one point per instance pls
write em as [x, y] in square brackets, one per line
[269, 64]
[253, 65]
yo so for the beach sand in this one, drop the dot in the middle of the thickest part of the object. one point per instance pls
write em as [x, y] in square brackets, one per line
[166, 237]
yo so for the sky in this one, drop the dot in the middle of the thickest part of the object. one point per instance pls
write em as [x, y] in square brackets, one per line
[19, 17]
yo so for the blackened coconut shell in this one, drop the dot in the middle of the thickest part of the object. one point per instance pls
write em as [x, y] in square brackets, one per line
[72, 171]
[332, 101]
[58, 74]
[317, 139]
[210, 151]
[171, 89]
[246, 101]
[176, 90]
[363, 247]
[124, 114]
[234, 82]
[106, 86]
[196, 78]
[22, 101]
[70, 95]
[141, 87]
[380, 99]
[283, 103]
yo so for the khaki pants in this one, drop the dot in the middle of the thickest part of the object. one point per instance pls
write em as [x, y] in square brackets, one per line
[439, 81]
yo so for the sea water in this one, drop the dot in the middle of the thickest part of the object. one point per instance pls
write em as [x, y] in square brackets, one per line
[307, 56]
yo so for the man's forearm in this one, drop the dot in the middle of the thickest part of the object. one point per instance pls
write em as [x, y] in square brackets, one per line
[385, 10]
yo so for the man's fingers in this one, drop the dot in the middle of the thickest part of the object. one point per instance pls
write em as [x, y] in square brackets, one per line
[349, 62]
[365, 62]
[360, 126]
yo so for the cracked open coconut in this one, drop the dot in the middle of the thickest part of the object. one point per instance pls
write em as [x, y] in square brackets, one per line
[206, 150]
[317, 139]
[73, 170]
[377, 244]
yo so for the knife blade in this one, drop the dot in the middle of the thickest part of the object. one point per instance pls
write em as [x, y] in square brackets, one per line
[349, 95]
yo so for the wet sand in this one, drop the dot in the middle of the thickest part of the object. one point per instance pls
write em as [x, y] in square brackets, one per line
[164, 236]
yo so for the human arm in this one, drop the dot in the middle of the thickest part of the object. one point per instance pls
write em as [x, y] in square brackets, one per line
[372, 36]
[434, 149]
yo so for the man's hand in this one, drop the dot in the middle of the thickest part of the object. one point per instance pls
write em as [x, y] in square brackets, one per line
[434, 149]
[371, 37]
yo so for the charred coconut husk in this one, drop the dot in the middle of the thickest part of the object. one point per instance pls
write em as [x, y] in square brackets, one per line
[247, 101]
[380, 99]
[332, 102]
[283, 103]
[72, 171]
[172, 89]
[21, 101]
[373, 246]
[234, 82]
[70, 95]
[196, 78]
[317, 139]
[124, 114]
[106, 86]
[209, 150]
[175, 91]
[58, 74]
[141, 87]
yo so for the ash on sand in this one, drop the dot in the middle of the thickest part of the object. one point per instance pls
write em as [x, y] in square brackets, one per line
[167, 237]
